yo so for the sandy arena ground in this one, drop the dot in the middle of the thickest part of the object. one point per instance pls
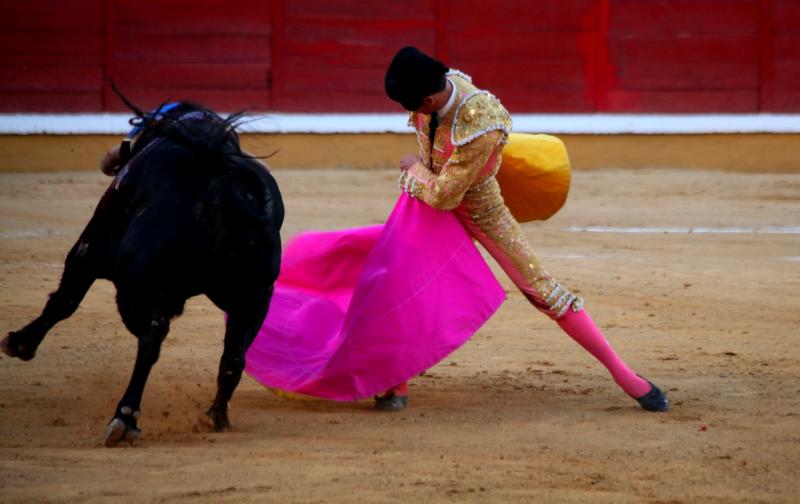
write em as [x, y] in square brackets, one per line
[520, 414]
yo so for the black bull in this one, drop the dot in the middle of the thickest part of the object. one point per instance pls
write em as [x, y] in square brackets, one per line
[189, 214]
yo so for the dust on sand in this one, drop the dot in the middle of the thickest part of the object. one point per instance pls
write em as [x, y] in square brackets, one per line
[520, 413]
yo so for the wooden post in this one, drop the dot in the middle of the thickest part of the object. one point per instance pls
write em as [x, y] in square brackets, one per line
[440, 31]
[765, 54]
[277, 89]
[109, 45]
[602, 64]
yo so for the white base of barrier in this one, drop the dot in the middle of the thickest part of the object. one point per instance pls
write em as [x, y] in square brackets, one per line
[606, 124]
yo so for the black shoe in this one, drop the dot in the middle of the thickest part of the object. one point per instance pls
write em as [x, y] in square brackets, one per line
[391, 402]
[655, 400]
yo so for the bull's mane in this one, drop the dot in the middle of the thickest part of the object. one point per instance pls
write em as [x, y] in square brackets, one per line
[195, 127]
[189, 124]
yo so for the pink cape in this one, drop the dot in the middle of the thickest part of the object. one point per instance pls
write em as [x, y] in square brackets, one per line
[358, 311]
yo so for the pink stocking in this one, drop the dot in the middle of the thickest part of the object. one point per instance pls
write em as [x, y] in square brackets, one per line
[580, 326]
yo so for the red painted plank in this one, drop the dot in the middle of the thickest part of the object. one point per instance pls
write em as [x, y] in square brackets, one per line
[442, 45]
[29, 101]
[546, 101]
[278, 38]
[219, 100]
[50, 48]
[534, 75]
[695, 102]
[349, 46]
[687, 76]
[359, 9]
[786, 101]
[690, 49]
[494, 76]
[334, 78]
[600, 71]
[786, 46]
[787, 75]
[766, 67]
[564, 15]
[336, 101]
[786, 16]
[335, 53]
[369, 41]
[232, 77]
[363, 31]
[109, 48]
[553, 45]
[682, 17]
[69, 79]
[200, 17]
[190, 49]
[47, 15]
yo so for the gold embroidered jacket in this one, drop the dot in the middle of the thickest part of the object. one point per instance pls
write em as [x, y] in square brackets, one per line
[466, 150]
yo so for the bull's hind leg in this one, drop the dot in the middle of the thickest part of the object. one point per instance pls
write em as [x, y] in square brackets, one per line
[79, 274]
[244, 321]
[150, 329]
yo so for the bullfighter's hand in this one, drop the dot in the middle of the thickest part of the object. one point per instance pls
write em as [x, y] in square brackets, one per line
[109, 164]
[408, 161]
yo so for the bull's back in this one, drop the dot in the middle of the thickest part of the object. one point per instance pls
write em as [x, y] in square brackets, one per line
[195, 228]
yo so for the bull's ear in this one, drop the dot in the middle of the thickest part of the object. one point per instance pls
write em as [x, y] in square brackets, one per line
[136, 110]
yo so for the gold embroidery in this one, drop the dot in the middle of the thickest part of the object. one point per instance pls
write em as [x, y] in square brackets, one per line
[477, 115]
[478, 126]
[484, 208]
[445, 190]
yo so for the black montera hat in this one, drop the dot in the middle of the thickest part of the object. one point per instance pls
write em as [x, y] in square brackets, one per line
[412, 75]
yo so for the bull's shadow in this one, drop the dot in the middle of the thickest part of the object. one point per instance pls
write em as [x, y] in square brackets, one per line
[188, 213]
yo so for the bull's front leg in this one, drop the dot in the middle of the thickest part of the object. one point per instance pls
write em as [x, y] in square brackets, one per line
[79, 274]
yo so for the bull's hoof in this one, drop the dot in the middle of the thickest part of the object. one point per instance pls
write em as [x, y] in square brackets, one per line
[13, 349]
[119, 432]
[5, 345]
[216, 421]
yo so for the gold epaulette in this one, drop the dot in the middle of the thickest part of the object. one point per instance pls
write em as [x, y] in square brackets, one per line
[480, 113]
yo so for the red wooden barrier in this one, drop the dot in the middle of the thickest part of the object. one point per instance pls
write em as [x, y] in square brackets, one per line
[334, 53]
[684, 56]
[784, 54]
[310, 56]
[51, 56]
